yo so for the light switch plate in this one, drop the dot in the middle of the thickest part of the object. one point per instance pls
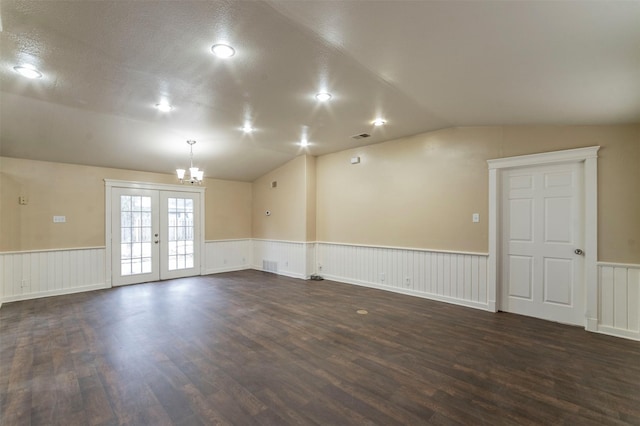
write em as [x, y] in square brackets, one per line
[59, 219]
[475, 217]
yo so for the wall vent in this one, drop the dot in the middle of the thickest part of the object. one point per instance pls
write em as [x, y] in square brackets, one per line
[361, 136]
[270, 266]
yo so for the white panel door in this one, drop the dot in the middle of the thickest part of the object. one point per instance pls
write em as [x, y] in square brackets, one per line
[156, 234]
[542, 227]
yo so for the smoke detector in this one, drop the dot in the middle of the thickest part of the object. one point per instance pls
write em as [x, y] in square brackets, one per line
[361, 136]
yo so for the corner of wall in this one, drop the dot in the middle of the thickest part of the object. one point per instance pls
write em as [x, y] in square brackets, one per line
[310, 178]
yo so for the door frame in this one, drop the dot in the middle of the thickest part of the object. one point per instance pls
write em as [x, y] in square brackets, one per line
[588, 156]
[114, 183]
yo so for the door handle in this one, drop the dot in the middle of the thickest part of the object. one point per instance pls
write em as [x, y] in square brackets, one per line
[578, 252]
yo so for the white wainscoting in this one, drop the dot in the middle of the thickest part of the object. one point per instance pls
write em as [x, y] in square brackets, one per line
[619, 299]
[311, 259]
[33, 274]
[227, 255]
[459, 278]
[291, 257]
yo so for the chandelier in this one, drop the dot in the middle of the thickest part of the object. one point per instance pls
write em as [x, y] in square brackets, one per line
[195, 175]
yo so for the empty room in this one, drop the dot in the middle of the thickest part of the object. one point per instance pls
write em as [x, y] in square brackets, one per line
[315, 212]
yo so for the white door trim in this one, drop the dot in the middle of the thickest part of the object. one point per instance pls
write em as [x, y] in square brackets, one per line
[113, 183]
[587, 155]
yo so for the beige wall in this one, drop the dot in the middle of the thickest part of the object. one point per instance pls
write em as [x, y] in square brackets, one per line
[418, 191]
[228, 209]
[288, 202]
[421, 191]
[77, 192]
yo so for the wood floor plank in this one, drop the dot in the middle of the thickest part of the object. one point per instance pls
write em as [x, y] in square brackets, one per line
[251, 348]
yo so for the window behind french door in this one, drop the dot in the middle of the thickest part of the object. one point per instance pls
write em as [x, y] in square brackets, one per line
[155, 235]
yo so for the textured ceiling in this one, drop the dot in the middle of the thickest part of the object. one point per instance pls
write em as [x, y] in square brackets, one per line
[420, 65]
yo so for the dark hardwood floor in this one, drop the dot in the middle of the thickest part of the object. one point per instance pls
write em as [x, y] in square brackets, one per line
[250, 348]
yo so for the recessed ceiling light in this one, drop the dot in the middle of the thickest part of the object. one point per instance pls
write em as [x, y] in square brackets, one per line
[28, 71]
[247, 128]
[304, 143]
[223, 50]
[323, 96]
[379, 122]
[164, 107]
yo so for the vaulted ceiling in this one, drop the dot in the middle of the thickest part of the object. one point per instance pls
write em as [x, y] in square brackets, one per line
[419, 65]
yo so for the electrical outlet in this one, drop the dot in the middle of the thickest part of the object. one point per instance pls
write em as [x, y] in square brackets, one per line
[407, 282]
[244, 260]
[286, 263]
[224, 261]
[382, 276]
[24, 284]
[319, 267]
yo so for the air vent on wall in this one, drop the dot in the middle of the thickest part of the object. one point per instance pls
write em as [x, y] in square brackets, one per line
[270, 266]
[361, 136]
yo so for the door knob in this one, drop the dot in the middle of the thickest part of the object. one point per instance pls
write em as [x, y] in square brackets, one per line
[578, 252]
[156, 241]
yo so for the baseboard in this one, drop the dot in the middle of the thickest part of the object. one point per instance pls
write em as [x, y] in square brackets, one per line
[430, 296]
[227, 269]
[618, 332]
[60, 292]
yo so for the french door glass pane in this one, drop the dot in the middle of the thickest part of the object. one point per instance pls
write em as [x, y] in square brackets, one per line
[136, 242]
[181, 232]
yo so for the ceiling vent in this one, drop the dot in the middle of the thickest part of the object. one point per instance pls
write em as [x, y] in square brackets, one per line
[361, 136]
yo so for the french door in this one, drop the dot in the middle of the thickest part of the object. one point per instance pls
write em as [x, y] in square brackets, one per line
[155, 234]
